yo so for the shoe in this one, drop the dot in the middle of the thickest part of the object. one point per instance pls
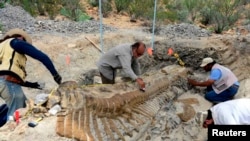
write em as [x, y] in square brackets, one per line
[201, 117]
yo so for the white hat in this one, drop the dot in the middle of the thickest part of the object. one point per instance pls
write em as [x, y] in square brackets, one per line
[206, 61]
[19, 32]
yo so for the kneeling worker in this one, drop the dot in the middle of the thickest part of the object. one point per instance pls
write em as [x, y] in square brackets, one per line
[123, 57]
[222, 84]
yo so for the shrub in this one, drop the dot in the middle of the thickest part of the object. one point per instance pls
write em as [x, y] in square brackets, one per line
[176, 10]
[122, 5]
[93, 3]
[220, 14]
[225, 14]
[2, 4]
[142, 8]
[206, 15]
[191, 6]
[78, 15]
[73, 10]
[106, 6]
[39, 7]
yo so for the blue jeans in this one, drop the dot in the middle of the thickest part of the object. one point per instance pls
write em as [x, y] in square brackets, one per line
[228, 94]
[13, 96]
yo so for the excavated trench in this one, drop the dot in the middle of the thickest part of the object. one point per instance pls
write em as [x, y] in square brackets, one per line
[121, 111]
[95, 111]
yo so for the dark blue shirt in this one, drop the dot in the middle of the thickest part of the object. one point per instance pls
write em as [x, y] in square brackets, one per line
[23, 47]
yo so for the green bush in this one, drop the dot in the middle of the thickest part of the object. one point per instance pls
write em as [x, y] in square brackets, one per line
[74, 10]
[245, 2]
[122, 5]
[225, 14]
[206, 15]
[220, 14]
[191, 6]
[106, 7]
[142, 8]
[39, 7]
[49, 7]
[28, 5]
[93, 3]
[2, 4]
[176, 10]
[77, 16]
[171, 16]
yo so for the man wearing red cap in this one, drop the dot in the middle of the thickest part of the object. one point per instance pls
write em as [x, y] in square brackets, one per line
[221, 85]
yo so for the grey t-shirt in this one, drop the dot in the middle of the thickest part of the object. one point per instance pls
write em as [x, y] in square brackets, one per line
[119, 57]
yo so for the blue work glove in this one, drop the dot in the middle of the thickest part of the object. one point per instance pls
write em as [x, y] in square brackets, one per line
[58, 79]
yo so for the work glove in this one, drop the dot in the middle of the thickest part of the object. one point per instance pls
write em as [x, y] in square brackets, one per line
[36, 85]
[58, 79]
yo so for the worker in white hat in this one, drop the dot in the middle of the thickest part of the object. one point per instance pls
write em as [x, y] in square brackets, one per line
[222, 84]
[14, 47]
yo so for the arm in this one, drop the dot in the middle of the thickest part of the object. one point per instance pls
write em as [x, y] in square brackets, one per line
[215, 75]
[127, 67]
[25, 48]
[136, 66]
[125, 61]
[209, 82]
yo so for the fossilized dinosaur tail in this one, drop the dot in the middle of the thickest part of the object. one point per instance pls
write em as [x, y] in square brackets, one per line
[112, 112]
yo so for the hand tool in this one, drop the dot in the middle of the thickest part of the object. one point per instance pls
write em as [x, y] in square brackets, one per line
[35, 123]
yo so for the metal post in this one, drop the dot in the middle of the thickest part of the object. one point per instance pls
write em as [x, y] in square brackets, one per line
[153, 30]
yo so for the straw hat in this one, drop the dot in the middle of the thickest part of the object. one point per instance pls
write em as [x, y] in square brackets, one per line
[19, 32]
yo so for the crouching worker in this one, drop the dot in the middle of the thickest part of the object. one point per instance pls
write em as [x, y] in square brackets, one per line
[222, 84]
[232, 112]
[14, 48]
[123, 57]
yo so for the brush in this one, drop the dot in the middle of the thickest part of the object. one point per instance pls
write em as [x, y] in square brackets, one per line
[34, 123]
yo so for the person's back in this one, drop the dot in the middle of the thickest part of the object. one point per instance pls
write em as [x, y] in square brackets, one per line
[235, 111]
[109, 59]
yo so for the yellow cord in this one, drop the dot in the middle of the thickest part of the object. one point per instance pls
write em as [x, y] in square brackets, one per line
[179, 59]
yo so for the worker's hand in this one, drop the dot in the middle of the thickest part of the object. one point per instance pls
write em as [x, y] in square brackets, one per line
[141, 84]
[36, 85]
[58, 79]
[207, 122]
[191, 81]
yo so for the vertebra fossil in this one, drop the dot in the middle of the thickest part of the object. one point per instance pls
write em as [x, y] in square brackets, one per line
[112, 112]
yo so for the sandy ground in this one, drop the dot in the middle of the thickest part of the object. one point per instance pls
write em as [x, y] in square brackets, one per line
[83, 56]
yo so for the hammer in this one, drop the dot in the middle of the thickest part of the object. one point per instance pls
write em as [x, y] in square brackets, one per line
[34, 123]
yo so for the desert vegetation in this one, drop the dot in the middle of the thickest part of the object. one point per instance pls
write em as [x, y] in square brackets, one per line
[216, 15]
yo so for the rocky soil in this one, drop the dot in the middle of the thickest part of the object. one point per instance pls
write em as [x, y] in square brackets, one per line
[65, 39]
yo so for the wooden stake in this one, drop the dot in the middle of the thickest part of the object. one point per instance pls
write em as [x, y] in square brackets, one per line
[93, 44]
